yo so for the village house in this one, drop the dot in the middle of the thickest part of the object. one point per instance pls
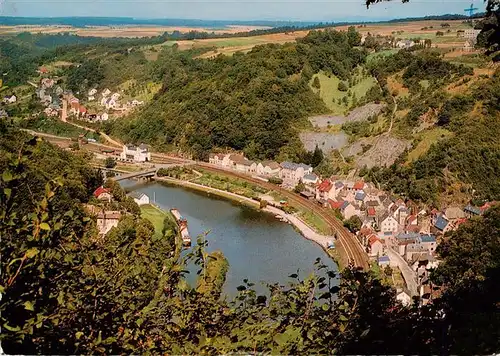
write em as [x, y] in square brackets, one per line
[245, 165]
[216, 158]
[9, 99]
[47, 83]
[91, 94]
[136, 103]
[3, 114]
[471, 211]
[375, 246]
[106, 220]
[106, 92]
[50, 112]
[471, 33]
[310, 179]
[405, 44]
[103, 194]
[294, 171]
[348, 210]
[441, 223]
[388, 223]
[136, 153]
[403, 297]
[402, 240]
[140, 198]
[469, 45]
[384, 261]
[268, 168]
[325, 190]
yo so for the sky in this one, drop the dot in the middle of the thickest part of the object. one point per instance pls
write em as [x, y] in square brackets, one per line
[294, 10]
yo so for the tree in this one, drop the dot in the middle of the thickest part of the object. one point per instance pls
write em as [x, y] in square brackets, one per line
[317, 156]
[439, 33]
[342, 86]
[110, 162]
[353, 223]
[316, 84]
[300, 187]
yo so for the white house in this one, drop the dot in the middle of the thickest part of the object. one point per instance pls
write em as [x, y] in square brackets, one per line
[115, 96]
[388, 223]
[294, 171]
[10, 99]
[405, 44]
[216, 158]
[106, 220]
[136, 153]
[104, 116]
[106, 92]
[471, 33]
[375, 246]
[348, 210]
[103, 194]
[140, 198]
[136, 102]
[403, 297]
[91, 94]
[268, 168]
[325, 190]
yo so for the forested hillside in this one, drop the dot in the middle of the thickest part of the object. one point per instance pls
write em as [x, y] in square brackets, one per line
[467, 160]
[253, 102]
[66, 292]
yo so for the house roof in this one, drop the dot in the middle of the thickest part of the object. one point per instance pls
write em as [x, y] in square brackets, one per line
[373, 239]
[247, 162]
[359, 185]
[271, 164]
[384, 259]
[372, 203]
[339, 184]
[472, 209]
[335, 204]
[110, 215]
[325, 186]
[411, 219]
[371, 211]
[237, 158]
[311, 177]
[441, 223]
[294, 166]
[344, 205]
[136, 195]
[143, 146]
[100, 191]
[427, 238]
[407, 236]
[360, 195]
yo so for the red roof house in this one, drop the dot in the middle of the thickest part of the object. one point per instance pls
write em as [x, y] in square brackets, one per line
[335, 204]
[325, 186]
[102, 193]
[371, 212]
[359, 185]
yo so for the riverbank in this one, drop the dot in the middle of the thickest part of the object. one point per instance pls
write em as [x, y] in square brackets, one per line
[305, 230]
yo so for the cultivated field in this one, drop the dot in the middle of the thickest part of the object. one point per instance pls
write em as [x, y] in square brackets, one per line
[119, 31]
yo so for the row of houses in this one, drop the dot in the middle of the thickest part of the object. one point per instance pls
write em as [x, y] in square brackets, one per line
[293, 172]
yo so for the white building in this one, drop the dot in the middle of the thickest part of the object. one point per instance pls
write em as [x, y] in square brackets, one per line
[268, 168]
[403, 297]
[294, 171]
[140, 198]
[217, 158]
[388, 224]
[471, 34]
[136, 153]
[10, 99]
[310, 179]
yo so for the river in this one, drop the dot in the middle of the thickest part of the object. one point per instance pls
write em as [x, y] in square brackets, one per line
[257, 245]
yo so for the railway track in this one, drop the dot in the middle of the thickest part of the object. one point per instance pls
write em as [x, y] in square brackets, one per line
[351, 246]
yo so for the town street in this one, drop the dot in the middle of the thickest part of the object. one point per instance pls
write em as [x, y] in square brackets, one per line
[408, 274]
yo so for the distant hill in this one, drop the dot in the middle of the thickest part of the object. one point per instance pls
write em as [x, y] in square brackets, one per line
[209, 24]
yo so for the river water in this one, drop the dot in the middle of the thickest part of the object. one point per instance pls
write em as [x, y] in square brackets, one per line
[257, 245]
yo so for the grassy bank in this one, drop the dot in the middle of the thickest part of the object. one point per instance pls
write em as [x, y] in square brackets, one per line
[156, 216]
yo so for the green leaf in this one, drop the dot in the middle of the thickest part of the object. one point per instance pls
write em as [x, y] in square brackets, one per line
[7, 192]
[29, 306]
[10, 328]
[45, 226]
[32, 252]
[343, 318]
[78, 335]
[325, 307]
[139, 321]
[6, 176]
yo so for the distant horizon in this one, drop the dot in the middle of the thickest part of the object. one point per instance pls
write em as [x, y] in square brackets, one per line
[359, 19]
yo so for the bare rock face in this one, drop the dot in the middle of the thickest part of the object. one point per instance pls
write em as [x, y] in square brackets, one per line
[358, 114]
[327, 142]
[384, 151]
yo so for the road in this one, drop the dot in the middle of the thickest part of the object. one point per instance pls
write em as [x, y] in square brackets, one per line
[408, 274]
